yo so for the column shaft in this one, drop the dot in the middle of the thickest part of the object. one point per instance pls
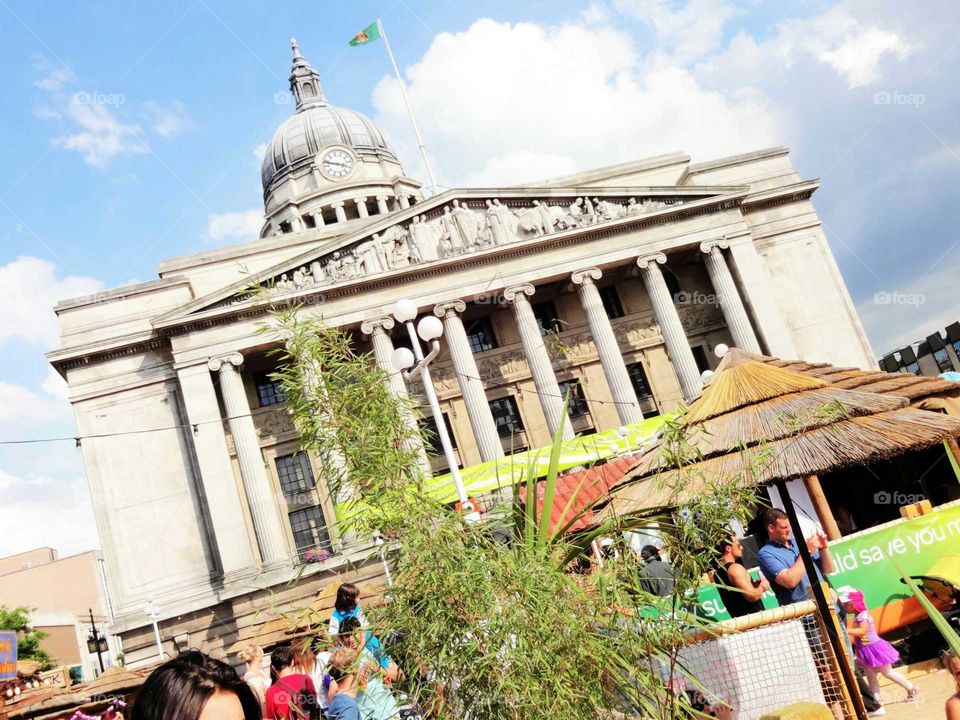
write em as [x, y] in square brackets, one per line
[256, 483]
[730, 303]
[541, 368]
[674, 336]
[382, 351]
[382, 207]
[468, 376]
[362, 207]
[341, 213]
[614, 369]
[224, 507]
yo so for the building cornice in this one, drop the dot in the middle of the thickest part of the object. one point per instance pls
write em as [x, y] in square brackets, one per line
[785, 195]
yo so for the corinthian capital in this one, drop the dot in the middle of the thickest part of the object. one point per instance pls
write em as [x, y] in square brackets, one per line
[381, 324]
[446, 309]
[648, 262]
[225, 362]
[514, 292]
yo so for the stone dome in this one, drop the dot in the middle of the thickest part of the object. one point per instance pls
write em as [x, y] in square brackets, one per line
[316, 124]
[298, 140]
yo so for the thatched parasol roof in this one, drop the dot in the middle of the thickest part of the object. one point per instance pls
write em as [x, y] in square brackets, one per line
[758, 422]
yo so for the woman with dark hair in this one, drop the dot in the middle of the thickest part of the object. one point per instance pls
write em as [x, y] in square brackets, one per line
[293, 694]
[194, 686]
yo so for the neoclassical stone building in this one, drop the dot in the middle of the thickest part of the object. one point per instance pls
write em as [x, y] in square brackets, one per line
[616, 284]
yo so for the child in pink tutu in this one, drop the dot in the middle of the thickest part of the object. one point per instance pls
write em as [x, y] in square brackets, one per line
[874, 654]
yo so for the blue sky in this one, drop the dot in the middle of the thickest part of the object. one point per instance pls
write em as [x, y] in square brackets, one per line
[132, 134]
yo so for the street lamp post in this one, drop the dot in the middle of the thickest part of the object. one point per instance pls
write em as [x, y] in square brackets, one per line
[153, 612]
[430, 329]
[96, 642]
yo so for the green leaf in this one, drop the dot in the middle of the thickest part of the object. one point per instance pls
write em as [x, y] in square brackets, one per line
[551, 481]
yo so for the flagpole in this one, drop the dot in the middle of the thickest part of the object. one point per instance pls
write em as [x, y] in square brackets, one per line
[403, 93]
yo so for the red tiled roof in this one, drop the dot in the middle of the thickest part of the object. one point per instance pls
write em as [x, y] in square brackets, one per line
[586, 487]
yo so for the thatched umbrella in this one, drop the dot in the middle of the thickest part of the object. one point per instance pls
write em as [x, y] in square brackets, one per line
[762, 424]
[765, 423]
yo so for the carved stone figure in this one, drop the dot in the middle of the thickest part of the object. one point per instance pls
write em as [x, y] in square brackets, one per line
[452, 231]
[466, 223]
[380, 248]
[349, 265]
[545, 217]
[446, 247]
[335, 267]
[319, 274]
[633, 208]
[368, 259]
[283, 283]
[422, 239]
[302, 278]
[498, 233]
[532, 221]
[575, 212]
[607, 210]
[508, 219]
[589, 216]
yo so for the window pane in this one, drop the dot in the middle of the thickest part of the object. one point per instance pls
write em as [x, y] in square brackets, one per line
[431, 441]
[269, 391]
[547, 318]
[638, 377]
[611, 302]
[943, 360]
[506, 416]
[480, 335]
[295, 473]
[700, 356]
[309, 530]
[578, 403]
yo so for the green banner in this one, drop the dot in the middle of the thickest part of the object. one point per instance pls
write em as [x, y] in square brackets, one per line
[862, 562]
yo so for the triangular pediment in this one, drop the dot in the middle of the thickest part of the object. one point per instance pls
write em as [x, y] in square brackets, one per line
[443, 228]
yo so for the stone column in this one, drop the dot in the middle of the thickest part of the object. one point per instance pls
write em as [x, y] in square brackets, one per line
[730, 303]
[263, 508]
[614, 369]
[758, 292]
[338, 209]
[541, 367]
[382, 206]
[404, 201]
[468, 376]
[378, 330]
[223, 505]
[674, 336]
[362, 206]
[318, 219]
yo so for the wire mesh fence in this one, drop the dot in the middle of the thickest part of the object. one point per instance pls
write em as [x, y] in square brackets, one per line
[743, 668]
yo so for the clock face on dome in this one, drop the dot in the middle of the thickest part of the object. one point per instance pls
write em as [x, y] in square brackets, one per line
[337, 163]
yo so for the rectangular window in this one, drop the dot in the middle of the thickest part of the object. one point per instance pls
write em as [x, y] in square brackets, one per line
[295, 473]
[700, 356]
[547, 318]
[641, 386]
[943, 359]
[480, 334]
[269, 391]
[506, 416]
[913, 367]
[956, 347]
[611, 302]
[309, 530]
[431, 441]
[578, 403]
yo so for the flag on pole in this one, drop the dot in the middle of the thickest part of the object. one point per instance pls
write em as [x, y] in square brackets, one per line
[368, 34]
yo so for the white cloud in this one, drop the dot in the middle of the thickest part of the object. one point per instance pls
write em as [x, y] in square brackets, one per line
[46, 113]
[56, 79]
[240, 226]
[20, 408]
[101, 136]
[45, 512]
[31, 287]
[168, 120]
[684, 30]
[839, 39]
[577, 97]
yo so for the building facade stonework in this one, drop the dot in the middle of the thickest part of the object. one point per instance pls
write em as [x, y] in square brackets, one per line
[614, 284]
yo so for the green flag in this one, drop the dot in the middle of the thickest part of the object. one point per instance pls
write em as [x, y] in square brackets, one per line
[368, 34]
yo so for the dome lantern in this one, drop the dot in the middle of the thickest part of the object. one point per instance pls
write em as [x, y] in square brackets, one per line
[304, 81]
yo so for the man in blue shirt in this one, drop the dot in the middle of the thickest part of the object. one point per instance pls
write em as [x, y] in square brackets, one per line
[780, 560]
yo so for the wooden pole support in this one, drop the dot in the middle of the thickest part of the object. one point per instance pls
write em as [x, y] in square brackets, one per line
[824, 513]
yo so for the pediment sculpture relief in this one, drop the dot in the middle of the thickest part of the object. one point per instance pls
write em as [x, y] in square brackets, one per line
[459, 228]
